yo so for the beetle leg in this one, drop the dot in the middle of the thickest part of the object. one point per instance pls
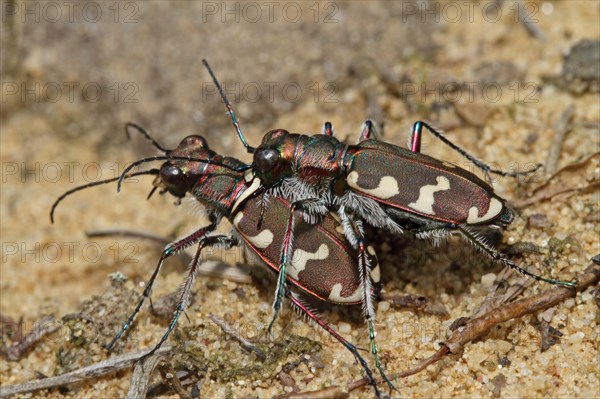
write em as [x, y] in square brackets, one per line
[479, 242]
[415, 146]
[281, 289]
[313, 316]
[354, 232]
[367, 130]
[186, 289]
[371, 212]
[437, 233]
[312, 208]
[170, 250]
[328, 129]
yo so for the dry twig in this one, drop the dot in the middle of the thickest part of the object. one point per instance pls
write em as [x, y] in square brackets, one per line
[140, 382]
[85, 373]
[581, 176]
[561, 127]
[44, 326]
[477, 327]
[141, 377]
[246, 345]
[332, 392]
[170, 376]
[497, 297]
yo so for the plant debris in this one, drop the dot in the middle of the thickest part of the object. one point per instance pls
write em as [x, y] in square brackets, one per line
[24, 344]
[569, 180]
[477, 327]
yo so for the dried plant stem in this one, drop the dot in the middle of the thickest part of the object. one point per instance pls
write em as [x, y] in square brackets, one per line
[478, 326]
[44, 326]
[246, 345]
[561, 127]
[141, 377]
[85, 373]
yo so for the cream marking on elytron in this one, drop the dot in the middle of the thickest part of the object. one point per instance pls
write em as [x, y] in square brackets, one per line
[493, 211]
[300, 257]
[338, 226]
[248, 192]
[261, 240]
[336, 294]
[336, 217]
[388, 186]
[424, 203]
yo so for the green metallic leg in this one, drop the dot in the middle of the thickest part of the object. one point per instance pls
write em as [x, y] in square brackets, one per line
[353, 229]
[281, 289]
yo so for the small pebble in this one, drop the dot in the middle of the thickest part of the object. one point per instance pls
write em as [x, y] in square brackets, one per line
[577, 323]
[383, 306]
[577, 337]
[488, 279]
[344, 328]
[503, 346]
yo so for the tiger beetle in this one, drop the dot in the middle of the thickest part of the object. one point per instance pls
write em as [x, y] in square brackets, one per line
[323, 266]
[382, 184]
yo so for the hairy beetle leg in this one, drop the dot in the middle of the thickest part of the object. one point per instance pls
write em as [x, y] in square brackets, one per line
[313, 316]
[281, 289]
[186, 289]
[479, 243]
[170, 250]
[439, 233]
[367, 262]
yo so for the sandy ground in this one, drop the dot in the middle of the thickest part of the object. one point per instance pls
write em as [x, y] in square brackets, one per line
[72, 75]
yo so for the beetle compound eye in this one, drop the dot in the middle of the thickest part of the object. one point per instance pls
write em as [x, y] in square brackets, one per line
[172, 176]
[266, 159]
[194, 141]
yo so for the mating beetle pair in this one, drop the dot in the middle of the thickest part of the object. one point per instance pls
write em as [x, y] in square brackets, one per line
[323, 265]
[302, 180]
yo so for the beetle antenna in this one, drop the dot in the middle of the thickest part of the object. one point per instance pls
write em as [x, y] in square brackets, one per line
[96, 183]
[144, 133]
[236, 124]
